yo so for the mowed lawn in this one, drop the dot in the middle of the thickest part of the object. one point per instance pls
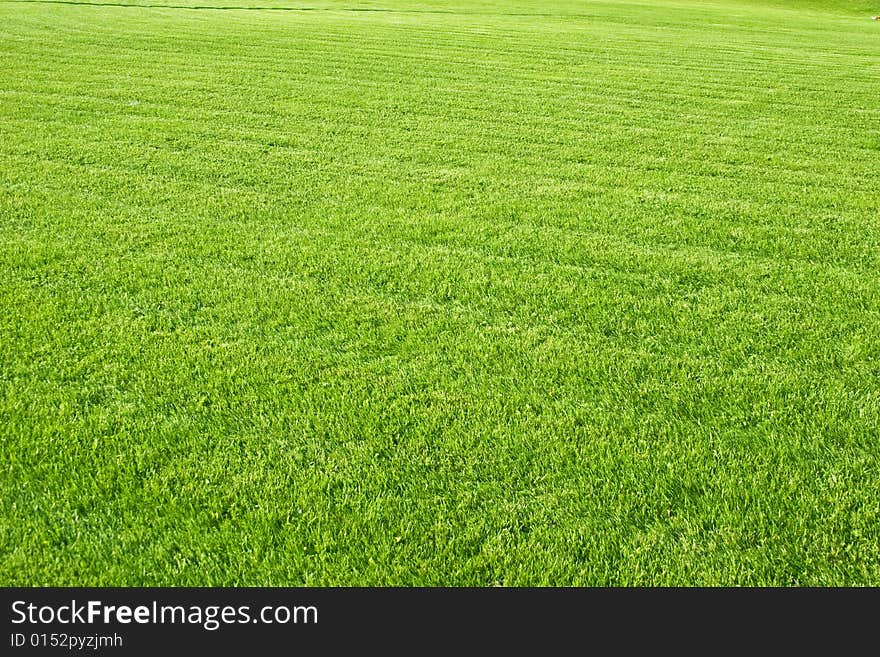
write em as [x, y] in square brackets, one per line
[440, 292]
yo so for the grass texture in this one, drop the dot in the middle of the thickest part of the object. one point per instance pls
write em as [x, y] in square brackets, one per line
[501, 292]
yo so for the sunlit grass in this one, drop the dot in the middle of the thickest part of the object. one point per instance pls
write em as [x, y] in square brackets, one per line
[497, 292]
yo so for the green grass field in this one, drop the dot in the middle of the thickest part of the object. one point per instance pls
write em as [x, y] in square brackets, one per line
[440, 292]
